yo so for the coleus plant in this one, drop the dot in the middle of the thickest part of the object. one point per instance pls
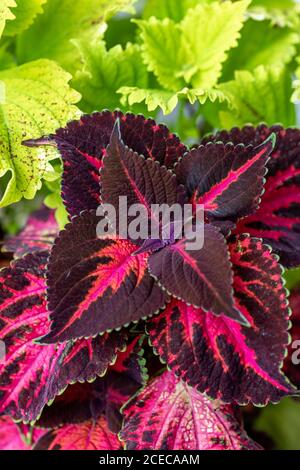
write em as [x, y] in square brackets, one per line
[78, 312]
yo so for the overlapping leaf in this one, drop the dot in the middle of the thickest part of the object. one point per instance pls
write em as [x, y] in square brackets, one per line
[33, 374]
[277, 220]
[94, 284]
[105, 71]
[169, 415]
[82, 145]
[187, 52]
[53, 38]
[31, 106]
[143, 182]
[220, 357]
[259, 95]
[89, 435]
[12, 435]
[201, 277]
[38, 234]
[24, 13]
[228, 180]
[104, 396]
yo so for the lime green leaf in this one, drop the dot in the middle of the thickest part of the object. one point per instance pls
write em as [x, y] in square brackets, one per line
[296, 85]
[24, 13]
[54, 201]
[277, 46]
[281, 422]
[63, 20]
[37, 100]
[167, 100]
[104, 72]
[209, 31]
[162, 51]
[6, 13]
[192, 51]
[173, 9]
[261, 95]
[292, 278]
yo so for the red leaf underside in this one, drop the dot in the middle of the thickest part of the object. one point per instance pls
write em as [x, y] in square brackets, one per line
[277, 220]
[169, 415]
[96, 284]
[220, 357]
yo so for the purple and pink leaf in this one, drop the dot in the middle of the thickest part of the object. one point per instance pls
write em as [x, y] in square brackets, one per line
[83, 143]
[277, 220]
[170, 415]
[218, 356]
[33, 374]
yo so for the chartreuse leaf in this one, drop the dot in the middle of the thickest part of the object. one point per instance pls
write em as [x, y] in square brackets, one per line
[296, 85]
[54, 201]
[25, 13]
[260, 95]
[105, 71]
[168, 100]
[62, 21]
[6, 13]
[277, 46]
[193, 50]
[36, 99]
[281, 422]
[173, 9]
[208, 32]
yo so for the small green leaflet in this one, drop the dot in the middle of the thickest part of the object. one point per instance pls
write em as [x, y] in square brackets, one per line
[25, 13]
[36, 100]
[167, 100]
[259, 96]
[62, 21]
[6, 13]
[105, 71]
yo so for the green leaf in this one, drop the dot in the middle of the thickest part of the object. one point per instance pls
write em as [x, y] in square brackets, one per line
[63, 20]
[36, 100]
[173, 9]
[281, 422]
[162, 51]
[277, 46]
[208, 34]
[168, 100]
[259, 96]
[54, 201]
[104, 72]
[24, 13]
[192, 51]
[6, 13]
[292, 278]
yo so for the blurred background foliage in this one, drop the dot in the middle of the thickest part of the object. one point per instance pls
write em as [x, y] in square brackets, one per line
[196, 65]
